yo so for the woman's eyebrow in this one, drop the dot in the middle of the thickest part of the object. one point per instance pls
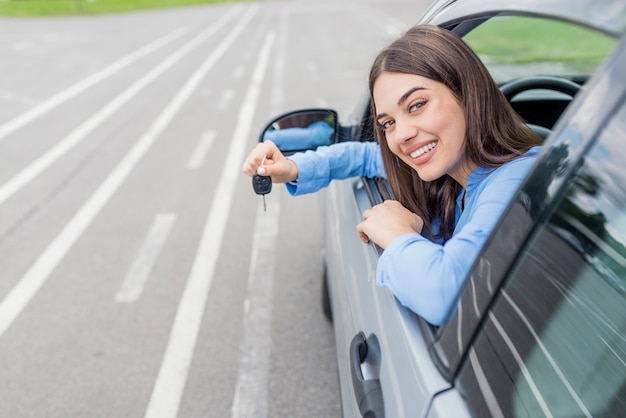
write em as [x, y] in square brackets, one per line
[408, 93]
[403, 98]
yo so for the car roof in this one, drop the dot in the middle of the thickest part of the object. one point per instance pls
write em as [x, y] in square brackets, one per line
[608, 16]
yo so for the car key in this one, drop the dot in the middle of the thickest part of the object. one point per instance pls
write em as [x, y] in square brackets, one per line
[262, 185]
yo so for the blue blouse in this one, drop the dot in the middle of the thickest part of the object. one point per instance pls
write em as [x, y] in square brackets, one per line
[424, 276]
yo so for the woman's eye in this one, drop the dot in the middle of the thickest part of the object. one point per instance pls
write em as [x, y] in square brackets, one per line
[385, 125]
[415, 106]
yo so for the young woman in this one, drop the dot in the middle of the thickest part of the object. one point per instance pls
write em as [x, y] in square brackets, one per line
[453, 151]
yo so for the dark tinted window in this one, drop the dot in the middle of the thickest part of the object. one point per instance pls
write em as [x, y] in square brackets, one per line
[554, 343]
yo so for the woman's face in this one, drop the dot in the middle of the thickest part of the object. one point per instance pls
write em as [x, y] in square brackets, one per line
[424, 125]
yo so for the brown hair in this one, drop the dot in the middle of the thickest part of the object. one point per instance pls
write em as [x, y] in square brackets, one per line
[495, 133]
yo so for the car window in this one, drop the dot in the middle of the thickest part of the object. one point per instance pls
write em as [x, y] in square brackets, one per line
[515, 46]
[554, 343]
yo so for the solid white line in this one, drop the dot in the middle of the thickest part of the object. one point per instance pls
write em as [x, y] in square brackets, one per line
[140, 270]
[28, 173]
[199, 154]
[250, 398]
[168, 389]
[84, 84]
[36, 276]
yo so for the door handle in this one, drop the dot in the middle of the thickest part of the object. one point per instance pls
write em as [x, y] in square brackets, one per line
[368, 392]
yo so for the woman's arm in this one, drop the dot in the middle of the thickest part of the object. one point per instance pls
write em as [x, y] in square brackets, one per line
[339, 161]
[425, 276]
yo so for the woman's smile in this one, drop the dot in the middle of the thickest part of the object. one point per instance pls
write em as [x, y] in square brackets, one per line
[422, 150]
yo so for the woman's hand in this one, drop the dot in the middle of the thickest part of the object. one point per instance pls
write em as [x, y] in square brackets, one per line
[385, 222]
[267, 160]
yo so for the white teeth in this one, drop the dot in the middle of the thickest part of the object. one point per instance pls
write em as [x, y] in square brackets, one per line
[423, 150]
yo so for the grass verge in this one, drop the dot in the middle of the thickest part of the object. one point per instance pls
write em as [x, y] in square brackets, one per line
[43, 8]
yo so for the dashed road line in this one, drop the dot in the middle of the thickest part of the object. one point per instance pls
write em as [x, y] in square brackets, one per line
[142, 266]
[202, 149]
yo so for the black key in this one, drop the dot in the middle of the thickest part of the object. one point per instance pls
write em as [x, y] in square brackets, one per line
[262, 185]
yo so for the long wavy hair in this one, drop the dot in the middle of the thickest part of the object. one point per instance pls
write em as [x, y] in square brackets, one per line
[495, 133]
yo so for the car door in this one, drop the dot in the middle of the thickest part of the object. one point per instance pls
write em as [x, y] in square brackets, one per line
[408, 367]
[544, 311]
[553, 342]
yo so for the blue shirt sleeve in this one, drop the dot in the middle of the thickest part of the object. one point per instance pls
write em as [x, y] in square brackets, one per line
[426, 276]
[339, 161]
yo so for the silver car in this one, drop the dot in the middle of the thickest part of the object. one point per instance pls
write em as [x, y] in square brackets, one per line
[540, 325]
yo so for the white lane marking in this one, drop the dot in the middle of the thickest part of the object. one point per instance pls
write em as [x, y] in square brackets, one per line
[36, 276]
[170, 383]
[22, 45]
[226, 100]
[202, 149]
[250, 398]
[84, 84]
[52, 37]
[34, 169]
[142, 266]
[239, 72]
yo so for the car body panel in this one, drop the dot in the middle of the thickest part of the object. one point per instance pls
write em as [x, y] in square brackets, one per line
[420, 380]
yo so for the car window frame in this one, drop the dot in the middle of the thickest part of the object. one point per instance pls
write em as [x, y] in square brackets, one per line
[524, 214]
[522, 328]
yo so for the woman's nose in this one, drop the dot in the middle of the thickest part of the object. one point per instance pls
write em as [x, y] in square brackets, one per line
[405, 131]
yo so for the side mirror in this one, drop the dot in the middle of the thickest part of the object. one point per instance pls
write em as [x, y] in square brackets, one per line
[302, 130]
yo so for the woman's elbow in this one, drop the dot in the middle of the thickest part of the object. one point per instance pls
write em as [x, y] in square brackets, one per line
[434, 313]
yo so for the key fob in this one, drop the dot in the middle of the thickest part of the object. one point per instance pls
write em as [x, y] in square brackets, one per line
[261, 184]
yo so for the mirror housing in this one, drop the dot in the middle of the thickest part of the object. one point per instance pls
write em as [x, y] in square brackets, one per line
[302, 130]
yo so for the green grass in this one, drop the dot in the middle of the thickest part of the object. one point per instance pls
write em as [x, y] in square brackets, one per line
[42, 8]
[524, 40]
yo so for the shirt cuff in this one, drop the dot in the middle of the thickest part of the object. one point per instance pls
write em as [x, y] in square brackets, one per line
[308, 175]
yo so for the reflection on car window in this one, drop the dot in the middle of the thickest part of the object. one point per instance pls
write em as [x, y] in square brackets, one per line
[513, 47]
[555, 342]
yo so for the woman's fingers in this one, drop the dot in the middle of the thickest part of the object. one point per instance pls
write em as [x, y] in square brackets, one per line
[387, 221]
[267, 160]
[259, 157]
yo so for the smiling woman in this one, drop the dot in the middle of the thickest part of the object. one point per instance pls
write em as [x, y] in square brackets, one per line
[453, 150]
[38, 8]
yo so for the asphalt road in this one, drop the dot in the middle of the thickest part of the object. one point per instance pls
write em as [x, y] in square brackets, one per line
[139, 275]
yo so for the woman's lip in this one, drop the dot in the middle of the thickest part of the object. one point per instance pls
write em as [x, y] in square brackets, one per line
[421, 149]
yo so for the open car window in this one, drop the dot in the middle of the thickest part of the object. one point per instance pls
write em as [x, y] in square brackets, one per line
[512, 47]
